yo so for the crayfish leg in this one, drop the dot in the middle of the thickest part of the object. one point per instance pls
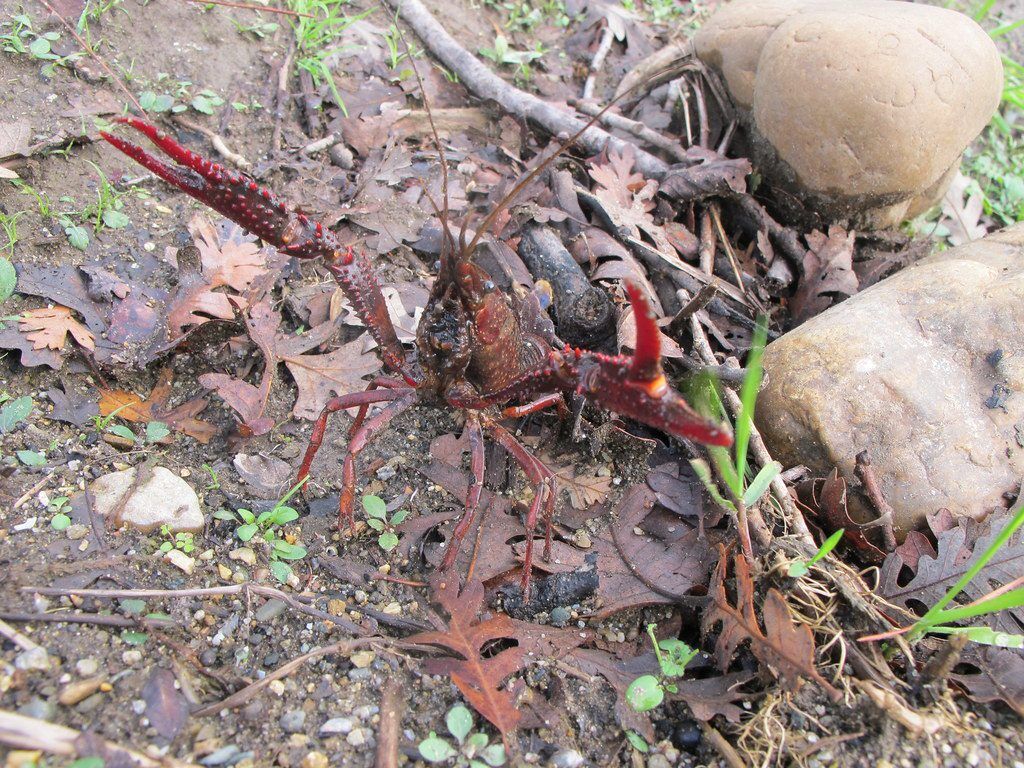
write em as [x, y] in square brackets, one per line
[398, 398]
[476, 465]
[543, 480]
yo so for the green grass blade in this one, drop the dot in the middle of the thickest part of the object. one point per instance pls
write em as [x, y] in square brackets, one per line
[983, 635]
[748, 396]
[1004, 602]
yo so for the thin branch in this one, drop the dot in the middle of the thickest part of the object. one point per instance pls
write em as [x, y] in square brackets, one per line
[486, 85]
[607, 37]
[252, 7]
[638, 129]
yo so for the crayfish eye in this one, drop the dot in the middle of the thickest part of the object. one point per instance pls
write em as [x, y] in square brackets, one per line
[437, 265]
[489, 286]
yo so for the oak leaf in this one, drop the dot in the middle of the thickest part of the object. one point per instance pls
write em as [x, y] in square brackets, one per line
[48, 328]
[784, 647]
[827, 273]
[467, 634]
[183, 418]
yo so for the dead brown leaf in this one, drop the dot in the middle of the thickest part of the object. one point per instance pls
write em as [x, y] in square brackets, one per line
[48, 328]
[784, 647]
[466, 633]
[827, 273]
[134, 408]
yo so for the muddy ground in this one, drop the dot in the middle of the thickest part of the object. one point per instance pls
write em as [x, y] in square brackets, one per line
[213, 646]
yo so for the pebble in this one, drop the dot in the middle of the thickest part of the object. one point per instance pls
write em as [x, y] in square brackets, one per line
[243, 554]
[357, 737]
[223, 571]
[293, 721]
[78, 691]
[39, 708]
[361, 659]
[270, 610]
[87, 667]
[131, 657]
[315, 760]
[560, 616]
[221, 756]
[361, 597]
[337, 725]
[33, 658]
[359, 674]
[658, 761]
[76, 531]
[567, 758]
[366, 711]
[180, 560]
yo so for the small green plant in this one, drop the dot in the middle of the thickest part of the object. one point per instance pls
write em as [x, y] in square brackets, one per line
[503, 54]
[154, 432]
[259, 28]
[177, 96]
[106, 211]
[316, 31]
[246, 106]
[9, 225]
[267, 526]
[58, 507]
[732, 466]
[637, 742]
[180, 540]
[13, 412]
[20, 38]
[31, 458]
[939, 617]
[648, 691]
[42, 199]
[377, 518]
[800, 568]
[474, 749]
[214, 484]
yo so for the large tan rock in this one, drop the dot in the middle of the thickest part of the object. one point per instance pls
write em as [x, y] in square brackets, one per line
[925, 371]
[861, 108]
[159, 498]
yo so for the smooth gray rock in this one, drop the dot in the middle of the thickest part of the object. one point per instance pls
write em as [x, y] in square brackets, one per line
[161, 499]
[925, 371]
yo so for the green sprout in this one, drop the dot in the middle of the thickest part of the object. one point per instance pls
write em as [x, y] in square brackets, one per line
[181, 540]
[648, 691]
[800, 568]
[266, 526]
[474, 750]
[377, 518]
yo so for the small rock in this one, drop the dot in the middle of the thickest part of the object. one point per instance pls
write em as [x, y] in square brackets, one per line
[582, 539]
[315, 760]
[293, 721]
[267, 476]
[337, 725]
[357, 737]
[359, 674]
[362, 659]
[560, 616]
[223, 571]
[658, 761]
[76, 531]
[360, 597]
[78, 691]
[567, 758]
[270, 610]
[131, 657]
[180, 560]
[366, 711]
[86, 667]
[39, 708]
[34, 658]
[221, 756]
[243, 554]
[161, 499]
[905, 371]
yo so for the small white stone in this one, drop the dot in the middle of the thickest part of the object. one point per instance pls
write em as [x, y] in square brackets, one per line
[180, 560]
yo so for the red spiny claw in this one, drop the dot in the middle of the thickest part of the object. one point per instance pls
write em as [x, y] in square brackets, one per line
[263, 213]
[233, 195]
[636, 386]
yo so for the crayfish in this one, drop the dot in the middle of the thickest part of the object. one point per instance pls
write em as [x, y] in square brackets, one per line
[491, 354]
